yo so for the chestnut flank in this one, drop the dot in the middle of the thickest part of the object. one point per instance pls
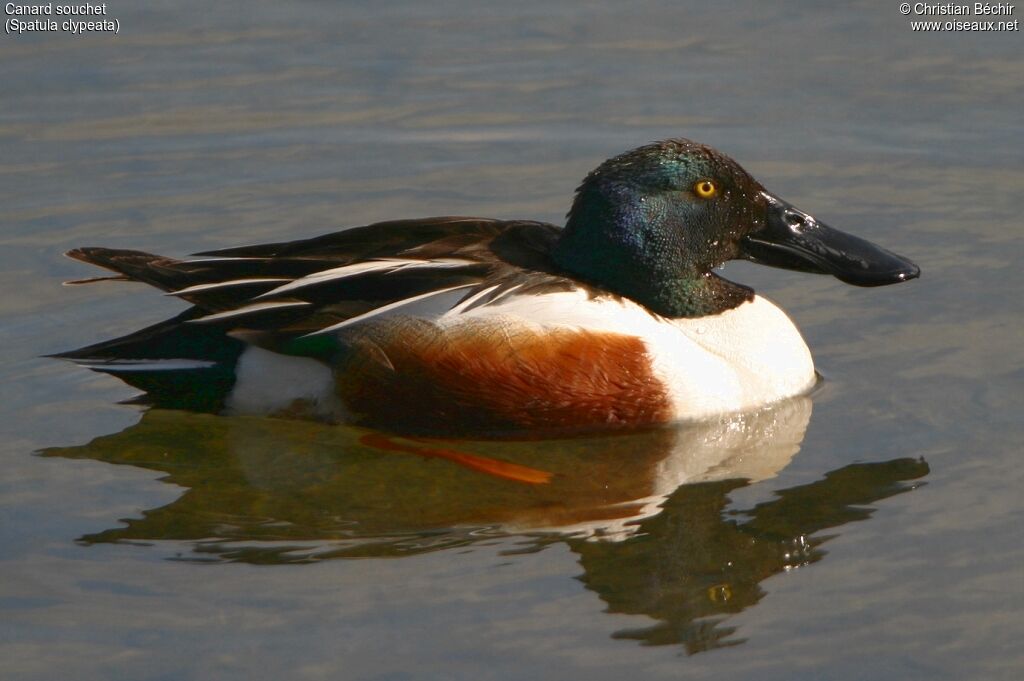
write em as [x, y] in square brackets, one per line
[490, 378]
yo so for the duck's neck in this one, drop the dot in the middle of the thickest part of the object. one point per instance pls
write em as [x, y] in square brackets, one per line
[637, 250]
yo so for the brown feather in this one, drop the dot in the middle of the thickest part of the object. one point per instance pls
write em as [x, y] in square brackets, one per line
[486, 377]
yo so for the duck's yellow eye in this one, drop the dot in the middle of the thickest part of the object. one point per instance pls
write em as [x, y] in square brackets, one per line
[705, 189]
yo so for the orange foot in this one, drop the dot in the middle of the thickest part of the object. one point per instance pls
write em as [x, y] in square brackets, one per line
[495, 467]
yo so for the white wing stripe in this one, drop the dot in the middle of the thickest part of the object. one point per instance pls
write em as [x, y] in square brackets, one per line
[466, 302]
[248, 309]
[386, 266]
[122, 365]
[501, 295]
[390, 307]
[200, 288]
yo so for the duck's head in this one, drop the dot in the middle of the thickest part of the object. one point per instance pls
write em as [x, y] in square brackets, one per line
[652, 224]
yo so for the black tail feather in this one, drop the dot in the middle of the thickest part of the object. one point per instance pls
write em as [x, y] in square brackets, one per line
[134, 265]
[197, 389]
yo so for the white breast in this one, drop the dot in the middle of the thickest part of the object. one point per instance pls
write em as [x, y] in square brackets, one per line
[740, 359]
[743, 358]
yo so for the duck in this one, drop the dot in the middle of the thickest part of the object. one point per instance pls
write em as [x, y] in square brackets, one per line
[464, 325]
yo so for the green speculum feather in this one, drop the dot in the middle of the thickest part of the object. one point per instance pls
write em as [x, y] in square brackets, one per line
[324, 346]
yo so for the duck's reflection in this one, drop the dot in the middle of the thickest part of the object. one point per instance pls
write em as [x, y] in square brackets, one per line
[693, 563]
[645, 511]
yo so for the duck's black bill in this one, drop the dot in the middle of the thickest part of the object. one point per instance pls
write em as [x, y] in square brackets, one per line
[794, 240]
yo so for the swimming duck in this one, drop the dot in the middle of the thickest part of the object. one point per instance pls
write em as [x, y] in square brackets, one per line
[461, 324]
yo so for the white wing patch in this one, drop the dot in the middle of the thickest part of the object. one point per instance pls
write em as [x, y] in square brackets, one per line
[465, 303]
[386, 266]
[126, 365]
[220, 285]
[248, 309]
[405, 305]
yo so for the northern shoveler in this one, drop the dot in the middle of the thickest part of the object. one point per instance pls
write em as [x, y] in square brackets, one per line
[466, 324]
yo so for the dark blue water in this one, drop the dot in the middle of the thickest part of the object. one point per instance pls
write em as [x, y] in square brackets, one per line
[872, 531]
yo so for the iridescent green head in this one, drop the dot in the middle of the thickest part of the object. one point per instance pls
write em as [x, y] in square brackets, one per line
[652, 224]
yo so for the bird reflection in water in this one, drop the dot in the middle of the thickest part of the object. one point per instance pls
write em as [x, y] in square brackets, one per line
[648, 513]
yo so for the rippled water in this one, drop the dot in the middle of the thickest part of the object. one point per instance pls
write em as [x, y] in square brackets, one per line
[870, 531]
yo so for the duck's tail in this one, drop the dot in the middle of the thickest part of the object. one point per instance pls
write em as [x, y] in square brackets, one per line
[178, 365]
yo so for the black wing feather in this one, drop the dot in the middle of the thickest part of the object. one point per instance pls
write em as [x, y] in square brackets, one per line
[498, 253]
[379, 240]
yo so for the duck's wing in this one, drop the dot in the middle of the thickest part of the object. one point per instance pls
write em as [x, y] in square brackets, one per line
[289, 289]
